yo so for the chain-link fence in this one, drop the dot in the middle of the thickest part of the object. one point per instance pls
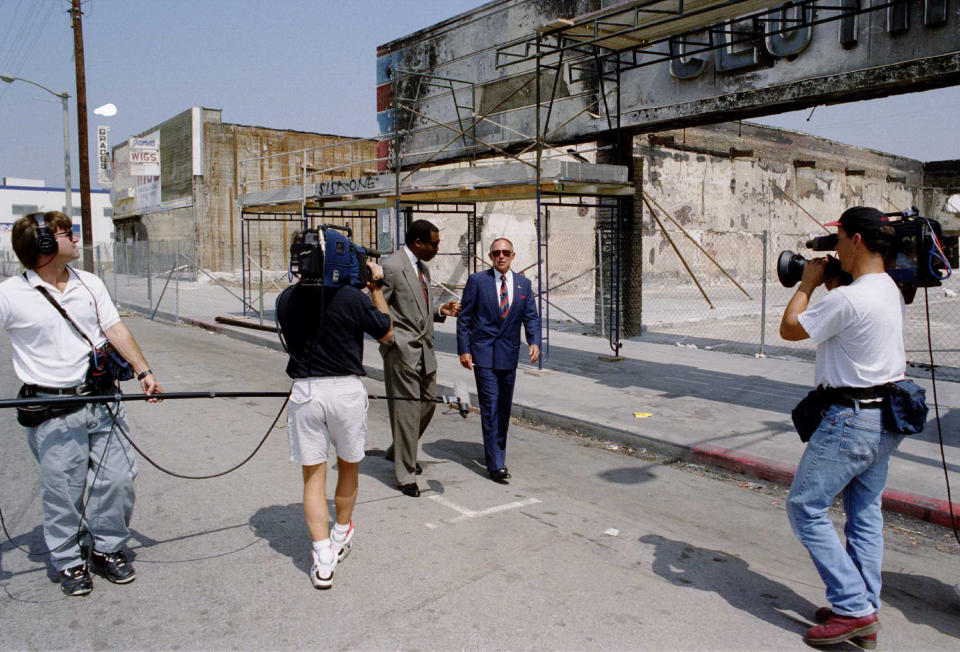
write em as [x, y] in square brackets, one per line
[567, 246]
[9, 265]
[721, 316]
[721, 293]
[163, 280]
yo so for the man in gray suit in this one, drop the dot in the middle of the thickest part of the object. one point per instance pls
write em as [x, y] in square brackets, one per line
[409, 361]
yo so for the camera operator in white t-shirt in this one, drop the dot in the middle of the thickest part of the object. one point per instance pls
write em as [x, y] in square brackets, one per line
[858, 330]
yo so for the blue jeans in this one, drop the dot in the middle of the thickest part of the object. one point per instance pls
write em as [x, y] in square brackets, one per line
[848, 453]
[71, 450]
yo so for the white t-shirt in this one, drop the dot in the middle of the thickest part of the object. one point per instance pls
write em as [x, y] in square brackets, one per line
[46, 349]
[858, 329]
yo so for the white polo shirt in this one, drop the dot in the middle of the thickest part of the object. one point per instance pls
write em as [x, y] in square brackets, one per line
[46, 349]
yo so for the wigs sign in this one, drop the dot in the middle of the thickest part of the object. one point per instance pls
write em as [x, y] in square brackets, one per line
[144, 155]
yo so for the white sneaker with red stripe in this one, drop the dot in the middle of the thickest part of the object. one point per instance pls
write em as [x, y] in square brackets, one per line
[324, 565]
[341, 547]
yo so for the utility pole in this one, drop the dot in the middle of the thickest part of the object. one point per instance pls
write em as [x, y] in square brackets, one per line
[86, 225]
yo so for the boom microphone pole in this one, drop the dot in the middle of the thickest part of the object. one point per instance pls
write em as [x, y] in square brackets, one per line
[460, 401]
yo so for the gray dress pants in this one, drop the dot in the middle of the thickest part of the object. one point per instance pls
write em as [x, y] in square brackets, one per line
[408, 419]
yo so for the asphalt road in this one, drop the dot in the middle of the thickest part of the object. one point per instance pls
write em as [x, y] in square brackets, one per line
[696, 563]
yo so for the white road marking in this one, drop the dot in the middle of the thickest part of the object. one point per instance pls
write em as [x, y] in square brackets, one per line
[469, 513]
[452, 505]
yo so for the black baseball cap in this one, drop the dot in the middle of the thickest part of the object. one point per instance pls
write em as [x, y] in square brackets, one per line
[859, 219]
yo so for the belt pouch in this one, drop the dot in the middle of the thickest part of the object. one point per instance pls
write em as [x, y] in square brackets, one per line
[31, 416]
[905, 408]
[807, 415]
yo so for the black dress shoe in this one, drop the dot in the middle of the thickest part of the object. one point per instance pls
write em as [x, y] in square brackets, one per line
[500, 475]
[411, 490]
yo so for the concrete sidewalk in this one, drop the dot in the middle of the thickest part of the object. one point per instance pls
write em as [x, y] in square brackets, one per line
[721, 409]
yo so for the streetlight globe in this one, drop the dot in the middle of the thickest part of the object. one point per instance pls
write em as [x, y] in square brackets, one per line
[107, 110]
[6, 77]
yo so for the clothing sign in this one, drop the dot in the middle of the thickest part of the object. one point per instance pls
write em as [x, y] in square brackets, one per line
[145, 155]
[103, 156]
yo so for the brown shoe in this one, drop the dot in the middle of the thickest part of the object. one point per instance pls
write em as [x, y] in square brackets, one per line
[837, 629]
[868, 642]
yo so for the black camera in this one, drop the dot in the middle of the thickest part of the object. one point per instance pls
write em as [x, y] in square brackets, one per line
[326, 257]
[790, 268]
[915, 259]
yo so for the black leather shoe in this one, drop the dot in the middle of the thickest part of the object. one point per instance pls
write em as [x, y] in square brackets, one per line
[500, 475]
[389, 458]
[113, 566]
[411, 490]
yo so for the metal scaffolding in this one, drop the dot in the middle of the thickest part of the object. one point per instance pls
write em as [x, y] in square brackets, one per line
[598, 47]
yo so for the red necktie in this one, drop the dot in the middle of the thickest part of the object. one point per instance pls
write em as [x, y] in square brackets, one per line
[423, 284]
[504, 297]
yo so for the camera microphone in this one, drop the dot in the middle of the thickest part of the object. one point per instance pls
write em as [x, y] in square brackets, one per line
[462, 391]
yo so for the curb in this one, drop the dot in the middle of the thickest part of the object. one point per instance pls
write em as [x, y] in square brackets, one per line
[924, 508]
[933, 510]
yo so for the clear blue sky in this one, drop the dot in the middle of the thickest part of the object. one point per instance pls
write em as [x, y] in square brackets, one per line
[294, 64]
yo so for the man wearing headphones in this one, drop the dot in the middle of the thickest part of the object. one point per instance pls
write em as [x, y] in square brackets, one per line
[79, 443]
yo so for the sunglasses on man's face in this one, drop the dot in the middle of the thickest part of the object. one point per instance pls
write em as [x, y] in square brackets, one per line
[506, 253]
[431, 244]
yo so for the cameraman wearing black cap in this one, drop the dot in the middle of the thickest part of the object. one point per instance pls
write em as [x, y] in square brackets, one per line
[858, 330]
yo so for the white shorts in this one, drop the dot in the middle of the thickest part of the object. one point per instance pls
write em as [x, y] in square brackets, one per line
[325, 410]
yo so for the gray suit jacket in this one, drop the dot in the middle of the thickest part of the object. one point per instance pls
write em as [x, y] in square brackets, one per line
[412, 318]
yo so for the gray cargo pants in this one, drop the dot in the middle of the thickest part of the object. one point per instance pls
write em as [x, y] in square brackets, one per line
[70, 449]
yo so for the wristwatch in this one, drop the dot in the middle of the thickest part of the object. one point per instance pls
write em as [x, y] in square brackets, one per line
[143, 374]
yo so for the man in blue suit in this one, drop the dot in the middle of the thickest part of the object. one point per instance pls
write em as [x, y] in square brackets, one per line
[495, 304]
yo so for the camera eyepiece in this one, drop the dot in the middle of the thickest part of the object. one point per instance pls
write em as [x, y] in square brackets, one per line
[823, 243]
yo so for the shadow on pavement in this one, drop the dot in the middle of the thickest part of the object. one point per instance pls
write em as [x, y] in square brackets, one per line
[730, 577]
[629, 475]
[671, 380]
[469, 454]
[32, 544]
[284, 529]
[375, 466]
[924, 600]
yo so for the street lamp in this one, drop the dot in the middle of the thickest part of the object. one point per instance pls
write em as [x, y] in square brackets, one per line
[68, 191]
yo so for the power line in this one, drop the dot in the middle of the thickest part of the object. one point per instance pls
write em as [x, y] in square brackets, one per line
[32, 36]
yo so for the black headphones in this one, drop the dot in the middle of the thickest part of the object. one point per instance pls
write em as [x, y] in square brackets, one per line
[46, 240]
